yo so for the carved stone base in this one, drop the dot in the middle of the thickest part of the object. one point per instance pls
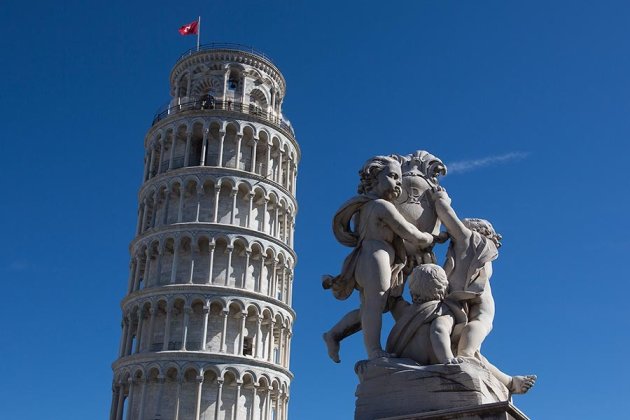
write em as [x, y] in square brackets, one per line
[495, 411]
[402, 389]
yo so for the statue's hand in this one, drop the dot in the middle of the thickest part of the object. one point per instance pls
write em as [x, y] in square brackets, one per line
[454, 361]
[439, 193]
[441, 238]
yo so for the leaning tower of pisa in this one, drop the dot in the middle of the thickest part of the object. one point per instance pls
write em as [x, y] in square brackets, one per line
[207, 319]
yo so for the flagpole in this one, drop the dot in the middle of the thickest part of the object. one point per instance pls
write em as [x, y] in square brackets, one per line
[198, 31]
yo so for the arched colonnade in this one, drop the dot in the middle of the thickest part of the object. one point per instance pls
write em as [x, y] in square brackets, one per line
[226, 200]
[220, 143]
[215, 325]
[219, 260]
[191, 393]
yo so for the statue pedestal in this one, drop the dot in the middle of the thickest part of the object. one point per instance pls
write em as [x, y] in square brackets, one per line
[397, 389]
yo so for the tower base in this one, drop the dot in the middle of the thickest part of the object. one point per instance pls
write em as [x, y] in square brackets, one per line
[397, 389]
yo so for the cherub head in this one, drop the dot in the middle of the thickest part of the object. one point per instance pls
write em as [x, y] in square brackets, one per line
[428, 282]
[381, 176]
[485, 228]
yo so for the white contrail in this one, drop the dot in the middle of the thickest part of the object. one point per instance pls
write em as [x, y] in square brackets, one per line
[470, 165]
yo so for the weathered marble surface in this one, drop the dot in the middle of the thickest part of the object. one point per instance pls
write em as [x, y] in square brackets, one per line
[504, 410]
[395, 387]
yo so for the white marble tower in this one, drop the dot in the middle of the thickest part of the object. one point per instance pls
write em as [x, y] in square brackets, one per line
[207, 321]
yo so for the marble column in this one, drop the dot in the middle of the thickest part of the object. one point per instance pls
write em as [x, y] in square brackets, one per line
[199, 380]
[187, 311]
[258, 339]
[176, 246]
[204, 334]
[217, 406]
[167, 326]
[211, 246]
[139, 329]
[187, 152]
[130, 400]
[224, 315]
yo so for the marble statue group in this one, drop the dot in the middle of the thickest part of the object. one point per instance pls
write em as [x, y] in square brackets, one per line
[392, 224]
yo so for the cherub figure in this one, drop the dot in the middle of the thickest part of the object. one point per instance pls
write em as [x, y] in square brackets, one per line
[423, 328]
[474, 245]
[375, 266]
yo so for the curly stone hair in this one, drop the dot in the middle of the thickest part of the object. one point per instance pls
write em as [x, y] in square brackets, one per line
[370, 170]
[483, 227]
[428, 282]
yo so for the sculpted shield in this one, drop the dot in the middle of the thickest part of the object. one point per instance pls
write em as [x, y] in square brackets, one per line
[419, 175]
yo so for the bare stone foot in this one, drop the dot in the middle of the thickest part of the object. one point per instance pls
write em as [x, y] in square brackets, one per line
[332, 345]
[522, 384]
[327, 281]
[377, 354]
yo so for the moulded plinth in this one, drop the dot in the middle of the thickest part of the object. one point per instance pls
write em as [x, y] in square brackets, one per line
[402, 389]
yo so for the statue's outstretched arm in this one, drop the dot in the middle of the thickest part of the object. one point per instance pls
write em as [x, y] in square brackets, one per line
[447, 215]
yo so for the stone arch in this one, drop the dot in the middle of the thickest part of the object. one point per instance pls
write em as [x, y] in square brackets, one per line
[228, 399]
[187, 399]
[197, 129]
[185, 264]
[215, 325]
[262, 153]
[272, 214]
[182, 86]
[234, 87]
[239, 262]
[204, 247]
[209, 393]
[189, 208]
[172, 209]
[258, 102]
[177, 308]
[194, 339]
[221, 260]
[250, 339]
[225, 200]
[232, 338]
[231, 145]
[242, 213]
[276, 147]
[207, 200]
[161, 309]
[215, 137]
[258, 208]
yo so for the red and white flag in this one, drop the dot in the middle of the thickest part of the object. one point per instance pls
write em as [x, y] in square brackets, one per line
[189, 29]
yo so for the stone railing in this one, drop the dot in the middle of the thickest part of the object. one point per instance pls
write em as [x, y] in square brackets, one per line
[209, 104]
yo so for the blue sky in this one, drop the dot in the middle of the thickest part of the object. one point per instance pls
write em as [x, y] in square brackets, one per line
[529, 100]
